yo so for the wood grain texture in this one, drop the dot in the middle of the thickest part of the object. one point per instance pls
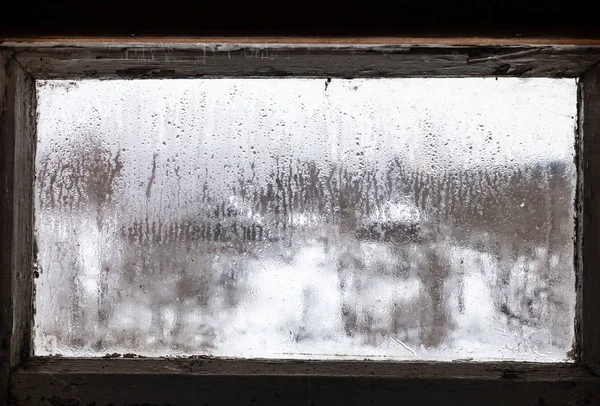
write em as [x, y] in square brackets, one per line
[181, 60]
[338, 368]
[232, 382]
[17, 143]
[6, 144]
[589, 270]
[23, 212]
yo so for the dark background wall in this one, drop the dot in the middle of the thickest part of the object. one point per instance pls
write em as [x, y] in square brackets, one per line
[526, 18]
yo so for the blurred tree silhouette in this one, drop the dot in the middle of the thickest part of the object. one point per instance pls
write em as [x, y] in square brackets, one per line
[81, 178]
[194, 266]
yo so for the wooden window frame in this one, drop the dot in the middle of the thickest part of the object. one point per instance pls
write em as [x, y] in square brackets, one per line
[202, 380]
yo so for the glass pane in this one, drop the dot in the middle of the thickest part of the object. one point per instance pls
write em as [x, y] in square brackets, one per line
[299, 218]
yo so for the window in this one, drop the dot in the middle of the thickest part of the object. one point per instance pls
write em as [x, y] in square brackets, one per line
[307, 218]
[437, 229]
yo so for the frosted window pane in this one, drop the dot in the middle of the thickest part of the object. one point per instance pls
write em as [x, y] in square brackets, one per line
[294, 218]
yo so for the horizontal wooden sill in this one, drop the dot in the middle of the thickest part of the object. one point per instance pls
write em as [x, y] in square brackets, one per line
[211, 381]
[269, 367]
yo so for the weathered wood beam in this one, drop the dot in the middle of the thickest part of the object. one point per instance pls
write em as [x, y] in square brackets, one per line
[185, 60]
[17, 144]
[212, 381]
[588, 312]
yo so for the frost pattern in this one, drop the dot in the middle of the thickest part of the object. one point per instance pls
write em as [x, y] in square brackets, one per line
[380, 219]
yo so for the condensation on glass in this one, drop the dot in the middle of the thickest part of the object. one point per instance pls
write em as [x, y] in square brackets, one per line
[299, 218]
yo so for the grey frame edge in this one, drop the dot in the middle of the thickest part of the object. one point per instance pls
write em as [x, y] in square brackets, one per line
[27, 380]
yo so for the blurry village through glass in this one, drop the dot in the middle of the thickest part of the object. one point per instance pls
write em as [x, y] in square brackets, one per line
[304, 218]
